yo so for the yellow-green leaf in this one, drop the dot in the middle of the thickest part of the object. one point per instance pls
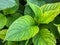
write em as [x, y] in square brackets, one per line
[22, 29]
[46, 13]
[3, 20]
[2, 34]
[44, 37]
[50, 11]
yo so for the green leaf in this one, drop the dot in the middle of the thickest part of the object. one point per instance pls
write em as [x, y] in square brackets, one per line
[51, 1]
[37, 2]
[53, 30]
[3, 21]
[58, 26]
[36, 9]
[10, 43]
[28, 11]
[12, 18]
[7, 4]
[22, 29]
[44, 37]
[16, 42]
[57, 20]
[40, 2]
[21, 42]
[50, 11]
[47, 11]
[2, 34]
[13, 9]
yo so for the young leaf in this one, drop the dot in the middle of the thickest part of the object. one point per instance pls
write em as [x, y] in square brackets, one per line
[44, 37]
[47, 11]
[22, 29]
[3, 21]
[13, 9]
[50, 11]
[3, 33]
[7, 4]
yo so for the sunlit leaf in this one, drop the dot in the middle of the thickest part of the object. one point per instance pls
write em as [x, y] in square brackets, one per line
[2, 34]
[22, 29]
[3, 21]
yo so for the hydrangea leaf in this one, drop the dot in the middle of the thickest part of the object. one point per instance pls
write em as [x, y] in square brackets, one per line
[3, 20]
[22, 29]
[7, 4]
[44, 37]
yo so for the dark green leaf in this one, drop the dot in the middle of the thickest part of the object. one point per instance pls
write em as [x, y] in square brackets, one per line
[37, 2]
[57, 20]
[12, 18]
[28, 11]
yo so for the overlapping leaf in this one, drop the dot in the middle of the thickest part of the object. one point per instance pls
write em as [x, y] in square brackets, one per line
[13, 9]
[28, 11]
[12, 18]
[4, 4]
[3, 21]
[38, 3]
[37, 11]
[44, 37]
[46, 13]
[22, 29]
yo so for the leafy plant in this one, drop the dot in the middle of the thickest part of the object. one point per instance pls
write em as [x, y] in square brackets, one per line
[36, 22]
